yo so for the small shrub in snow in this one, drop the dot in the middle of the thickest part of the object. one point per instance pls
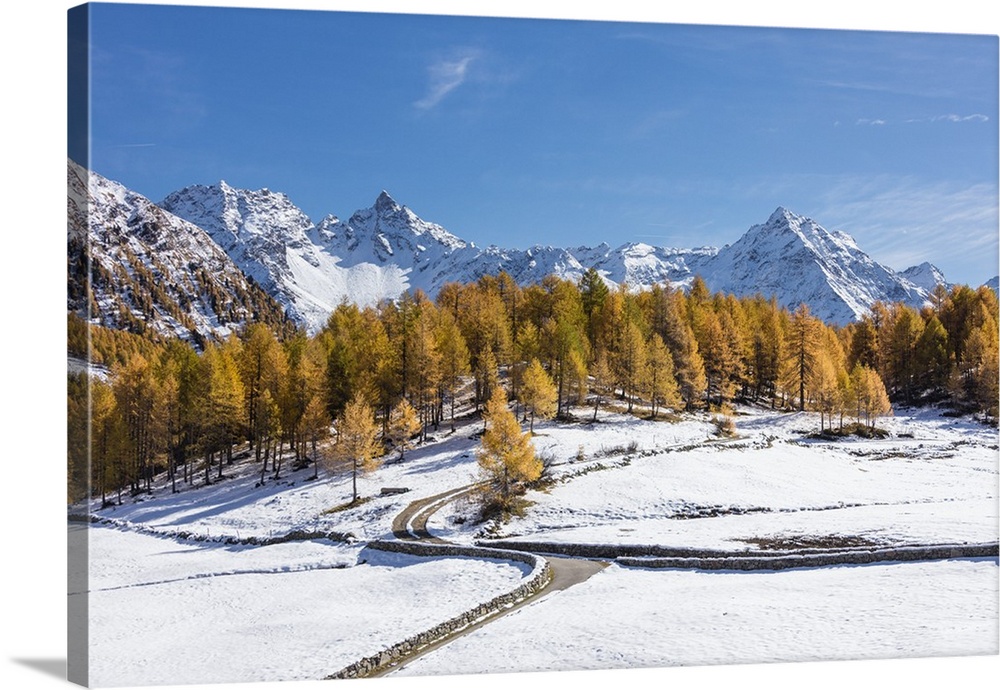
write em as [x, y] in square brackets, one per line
[606, 452]
[724, 425]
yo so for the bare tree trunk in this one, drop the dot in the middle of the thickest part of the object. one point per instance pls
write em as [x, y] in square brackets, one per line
[277, 459]
[354, 480]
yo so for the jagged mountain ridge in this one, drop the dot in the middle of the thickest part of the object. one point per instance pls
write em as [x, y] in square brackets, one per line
[148, 269]
[270, 239]
[791, 257]
[383, 250]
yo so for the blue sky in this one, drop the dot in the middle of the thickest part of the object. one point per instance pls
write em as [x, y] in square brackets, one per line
[530, 131]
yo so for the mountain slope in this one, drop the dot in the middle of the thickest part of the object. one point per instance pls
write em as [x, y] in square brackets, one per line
[385, 249]
[150, 270]
[272, 240]
[797, 260]
[925, 276]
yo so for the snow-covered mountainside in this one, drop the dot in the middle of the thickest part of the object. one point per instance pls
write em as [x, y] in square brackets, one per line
[381, 251]
[270, 239]
[387, 233]
[385, 249]
[798, 260]
[925, 276]
[151, 269]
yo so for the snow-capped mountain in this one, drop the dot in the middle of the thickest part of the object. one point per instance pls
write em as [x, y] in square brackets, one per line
[381, 251]
[388, 233]
[925, 276]
[378, 253]
[798, 260]
[640, 265]
[150, 269]
[385, 249]
[270, 239]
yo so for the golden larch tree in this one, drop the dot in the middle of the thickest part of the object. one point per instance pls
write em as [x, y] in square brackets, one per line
[538, 392]
[506, 457]
[357, 441]
[403, 424]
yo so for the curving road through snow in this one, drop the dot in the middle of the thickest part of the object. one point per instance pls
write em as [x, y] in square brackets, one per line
[411, 525]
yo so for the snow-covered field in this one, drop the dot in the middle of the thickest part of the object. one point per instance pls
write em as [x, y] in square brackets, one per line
[306, 609]
[634, 618]
[936, 483]
[163, 612]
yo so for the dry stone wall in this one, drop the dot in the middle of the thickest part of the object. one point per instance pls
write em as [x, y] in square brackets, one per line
[652, 556]
[540, 576]
[816, 560]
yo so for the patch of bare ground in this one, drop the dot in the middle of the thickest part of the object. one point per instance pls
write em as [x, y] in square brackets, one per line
[812, 541]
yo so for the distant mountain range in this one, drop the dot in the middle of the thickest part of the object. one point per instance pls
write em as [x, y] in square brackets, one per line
[207, 258]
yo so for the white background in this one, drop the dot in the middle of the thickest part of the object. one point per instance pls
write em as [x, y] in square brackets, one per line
[32, 385]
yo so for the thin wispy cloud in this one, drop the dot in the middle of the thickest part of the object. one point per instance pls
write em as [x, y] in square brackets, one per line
[975, 117]
[656, 122]
[904, 221]
[446, 76]
[732, 40]
[894, 89]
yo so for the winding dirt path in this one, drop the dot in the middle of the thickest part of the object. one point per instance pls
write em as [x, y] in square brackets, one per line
[411, 525]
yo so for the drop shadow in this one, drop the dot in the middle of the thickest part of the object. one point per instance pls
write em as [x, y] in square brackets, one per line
[55, 667]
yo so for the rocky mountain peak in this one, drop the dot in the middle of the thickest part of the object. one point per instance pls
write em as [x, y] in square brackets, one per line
[386, 204]
[926, 276]
[151, 269]
[783, 215]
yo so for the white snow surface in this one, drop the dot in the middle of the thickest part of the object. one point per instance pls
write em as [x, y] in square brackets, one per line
[633, 618]
[163, 612]
[939, 486]
[291, 611]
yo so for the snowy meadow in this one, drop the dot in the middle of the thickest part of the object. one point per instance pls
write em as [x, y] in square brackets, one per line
[172, 575]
